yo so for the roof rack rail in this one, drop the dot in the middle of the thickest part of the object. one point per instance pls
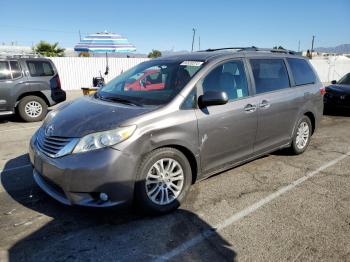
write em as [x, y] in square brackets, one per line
[251, 48]
[14, 56]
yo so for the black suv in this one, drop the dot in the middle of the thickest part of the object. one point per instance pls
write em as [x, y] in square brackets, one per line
[28, 86]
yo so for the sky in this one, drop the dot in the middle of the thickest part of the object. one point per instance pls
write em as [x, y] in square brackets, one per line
[167, 25]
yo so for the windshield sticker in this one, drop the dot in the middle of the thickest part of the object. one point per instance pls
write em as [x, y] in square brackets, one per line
[191, 63]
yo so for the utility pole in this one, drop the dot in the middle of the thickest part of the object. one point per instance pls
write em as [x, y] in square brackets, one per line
[299, 46]
[194, 34]
[312, 45]
[199, 43]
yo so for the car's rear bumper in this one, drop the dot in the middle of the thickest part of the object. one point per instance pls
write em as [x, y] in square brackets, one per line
[78, 179]
[58, 95]
[337, 101]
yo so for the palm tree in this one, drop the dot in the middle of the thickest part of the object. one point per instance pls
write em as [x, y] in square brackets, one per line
[154, 54]
[48, 50]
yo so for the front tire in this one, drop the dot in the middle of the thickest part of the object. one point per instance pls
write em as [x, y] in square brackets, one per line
[32, 108]
[164, 177]
[302, 135]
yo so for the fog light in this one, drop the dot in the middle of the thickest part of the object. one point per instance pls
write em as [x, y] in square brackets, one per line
[103, 196]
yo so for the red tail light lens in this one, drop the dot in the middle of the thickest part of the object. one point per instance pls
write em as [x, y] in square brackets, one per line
[322, 90]
[56, 82]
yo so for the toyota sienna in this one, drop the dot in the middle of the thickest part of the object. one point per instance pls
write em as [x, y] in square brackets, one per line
[216, 109]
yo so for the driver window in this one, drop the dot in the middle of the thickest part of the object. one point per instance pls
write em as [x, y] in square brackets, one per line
[230, 78]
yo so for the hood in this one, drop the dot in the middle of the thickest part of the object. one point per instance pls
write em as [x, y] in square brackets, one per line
[341, 89]
[89, 115]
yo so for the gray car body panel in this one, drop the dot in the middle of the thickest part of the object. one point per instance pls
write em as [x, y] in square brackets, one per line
[214, 138]
[12, 90]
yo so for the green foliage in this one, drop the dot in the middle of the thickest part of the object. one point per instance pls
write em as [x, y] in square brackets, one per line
[280, 47]
[154, 54]
[49, 50]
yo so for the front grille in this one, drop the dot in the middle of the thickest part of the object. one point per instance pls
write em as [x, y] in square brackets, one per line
[51, 145]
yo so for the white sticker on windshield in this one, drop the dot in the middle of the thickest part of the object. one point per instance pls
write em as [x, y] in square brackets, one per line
[191, 63]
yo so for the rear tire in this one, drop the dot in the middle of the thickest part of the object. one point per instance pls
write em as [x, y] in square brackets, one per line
[163, 180]
[32, 108]
[302, 135]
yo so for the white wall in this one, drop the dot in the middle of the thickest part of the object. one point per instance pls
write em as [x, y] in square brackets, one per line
[77, 72]
[332, 68]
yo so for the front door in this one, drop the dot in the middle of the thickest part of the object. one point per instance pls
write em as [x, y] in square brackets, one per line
[227, 132]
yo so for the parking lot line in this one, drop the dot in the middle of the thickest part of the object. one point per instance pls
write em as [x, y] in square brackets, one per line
[15, 129]
[245, 212]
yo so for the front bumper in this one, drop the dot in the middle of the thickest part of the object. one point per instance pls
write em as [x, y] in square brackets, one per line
[78, 179]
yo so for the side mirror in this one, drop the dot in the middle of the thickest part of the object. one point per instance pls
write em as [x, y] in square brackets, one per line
[334, 82]
[212, 98]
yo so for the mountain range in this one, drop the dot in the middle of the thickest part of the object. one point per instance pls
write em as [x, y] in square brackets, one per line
[340, 49]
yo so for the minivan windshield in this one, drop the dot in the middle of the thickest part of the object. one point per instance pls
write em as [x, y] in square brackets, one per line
[151, 83]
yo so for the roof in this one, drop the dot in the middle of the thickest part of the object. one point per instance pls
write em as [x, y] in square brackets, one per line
[211, 54]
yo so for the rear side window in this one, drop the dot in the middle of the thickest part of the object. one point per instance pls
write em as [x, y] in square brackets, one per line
[15, 69]
[5, 73]
[269, 75]
[301, 71]
[40, 68]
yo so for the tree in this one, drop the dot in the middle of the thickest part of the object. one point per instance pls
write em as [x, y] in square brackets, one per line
[154, 54]
[48, 50]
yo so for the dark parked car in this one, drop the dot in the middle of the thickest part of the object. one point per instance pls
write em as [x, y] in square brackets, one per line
[28, 86]
[218, 109]
[338, 94]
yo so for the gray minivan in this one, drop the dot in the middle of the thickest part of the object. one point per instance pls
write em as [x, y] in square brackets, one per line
[28, 86]
[194, 115]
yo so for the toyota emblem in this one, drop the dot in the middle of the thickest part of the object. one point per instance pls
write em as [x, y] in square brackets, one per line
[49, 130]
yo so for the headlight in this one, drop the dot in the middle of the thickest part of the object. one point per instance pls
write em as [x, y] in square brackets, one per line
[103, 139]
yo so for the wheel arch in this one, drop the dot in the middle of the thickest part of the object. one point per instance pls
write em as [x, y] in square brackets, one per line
[189, 155]
[312, 118]
[33, 93]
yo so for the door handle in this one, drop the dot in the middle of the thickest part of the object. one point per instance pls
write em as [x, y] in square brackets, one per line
[264, 104]
[250, 108]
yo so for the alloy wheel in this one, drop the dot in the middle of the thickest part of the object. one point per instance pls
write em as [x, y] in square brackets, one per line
[164, 181]
[303, 134]
[33, 109]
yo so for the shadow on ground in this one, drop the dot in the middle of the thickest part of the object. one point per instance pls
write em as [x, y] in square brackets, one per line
[337, 112]
[102, 234]
[10, 118]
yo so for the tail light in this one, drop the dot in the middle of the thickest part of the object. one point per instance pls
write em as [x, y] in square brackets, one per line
[56, 82]
[322, 90]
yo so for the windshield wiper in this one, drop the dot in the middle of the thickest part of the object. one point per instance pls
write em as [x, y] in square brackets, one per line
[119, 100]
